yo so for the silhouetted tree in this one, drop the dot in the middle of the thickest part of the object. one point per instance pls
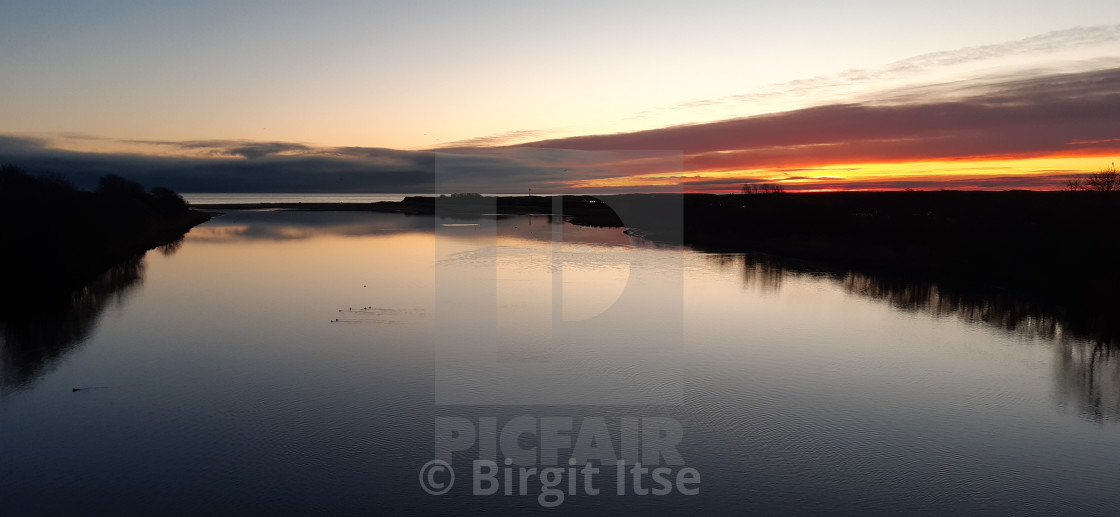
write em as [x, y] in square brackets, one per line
[762, 188]
[1104, 180]
[57, 181]
[12, 176]
[18, 188]
[8, 170]
[114, 184]
[169, 201]
[60, 237]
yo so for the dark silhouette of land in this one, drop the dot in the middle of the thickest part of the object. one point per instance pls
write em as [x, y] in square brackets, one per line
[67, 254]
[1054, 250]
[56, 237]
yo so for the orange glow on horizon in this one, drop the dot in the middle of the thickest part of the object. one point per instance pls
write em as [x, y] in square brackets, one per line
[1041, 172]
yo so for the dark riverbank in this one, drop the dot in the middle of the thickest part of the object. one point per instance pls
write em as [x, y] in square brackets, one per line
[69, 254]
[58, 238]
[1055, 251]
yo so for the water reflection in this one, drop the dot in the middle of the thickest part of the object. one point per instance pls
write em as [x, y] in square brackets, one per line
[806, 389]
[245, 225]
[998, 310]
[1005, 310]
[1087, 357]
[1087, 378]
[283, 225]
[40, 328]
[759, 271]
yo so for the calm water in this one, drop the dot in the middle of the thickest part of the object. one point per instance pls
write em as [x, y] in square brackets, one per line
[216, 198]
[302, 197]
[295, 363]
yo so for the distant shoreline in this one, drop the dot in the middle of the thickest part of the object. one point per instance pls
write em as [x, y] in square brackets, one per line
[586, 210]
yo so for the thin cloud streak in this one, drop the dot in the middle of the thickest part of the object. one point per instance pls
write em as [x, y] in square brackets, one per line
[855, 79]
[496, 139]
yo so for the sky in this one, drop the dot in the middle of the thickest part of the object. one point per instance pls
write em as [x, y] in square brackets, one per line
[352, 96]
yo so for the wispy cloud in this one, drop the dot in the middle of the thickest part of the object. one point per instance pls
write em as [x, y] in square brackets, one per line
[1061, 39]
[506, 138]
[1111, 141]
[868, 84]
[250, 150]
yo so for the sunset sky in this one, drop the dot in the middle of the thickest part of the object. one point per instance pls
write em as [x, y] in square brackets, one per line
[561, 96]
